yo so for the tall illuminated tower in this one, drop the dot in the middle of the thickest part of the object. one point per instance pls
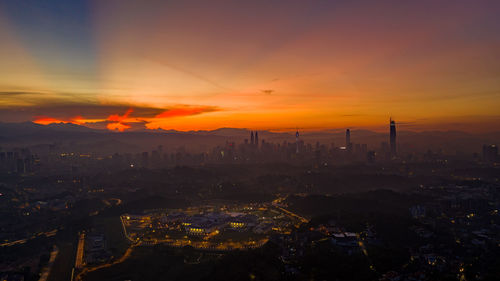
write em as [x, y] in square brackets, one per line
[347, 138]
[348, 144]
[297, 142]
[392, 137]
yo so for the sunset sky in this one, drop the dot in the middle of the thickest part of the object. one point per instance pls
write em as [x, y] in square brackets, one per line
[277, 65]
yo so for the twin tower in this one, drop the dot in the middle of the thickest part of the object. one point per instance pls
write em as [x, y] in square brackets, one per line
[254, 139]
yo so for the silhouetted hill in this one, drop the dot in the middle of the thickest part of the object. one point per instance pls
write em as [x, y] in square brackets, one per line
[68, 127]
[30, 128]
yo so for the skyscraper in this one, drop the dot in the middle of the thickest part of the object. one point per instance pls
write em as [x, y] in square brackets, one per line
[392, 137]
[297, 141]
[256, 139]
[347, 138]
[251, 138]
[348, 143]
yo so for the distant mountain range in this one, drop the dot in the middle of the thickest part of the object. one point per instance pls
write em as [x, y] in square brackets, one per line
[83, 138]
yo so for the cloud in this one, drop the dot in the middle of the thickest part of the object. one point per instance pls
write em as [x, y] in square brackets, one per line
[100, 117]
[79, 120]
[44, 120]
[119, 118]
[120, 122]
[64, 110]
[186, 111]
[118, 126]
[15, 94]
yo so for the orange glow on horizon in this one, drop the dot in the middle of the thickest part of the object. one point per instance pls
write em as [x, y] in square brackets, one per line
[78, 120]
[48, 120]
[314, 65]
[118, 127]
[117, 122]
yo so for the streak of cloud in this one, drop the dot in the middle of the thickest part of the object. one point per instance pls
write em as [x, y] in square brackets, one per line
[179, 112]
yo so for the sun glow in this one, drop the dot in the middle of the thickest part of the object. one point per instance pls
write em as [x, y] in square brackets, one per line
[277, 69]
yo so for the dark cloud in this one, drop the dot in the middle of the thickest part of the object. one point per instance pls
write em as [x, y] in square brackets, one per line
[21, 114]
[10, 94]
[186, 111]
[41, 97]
[68, 111]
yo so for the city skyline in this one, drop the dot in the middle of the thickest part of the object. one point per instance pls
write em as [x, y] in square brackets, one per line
[260, 65]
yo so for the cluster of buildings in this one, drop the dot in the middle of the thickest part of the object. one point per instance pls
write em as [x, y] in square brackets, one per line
[257, 150]
[469, 214]
[18, 161]
[305, 152]
[205, 224]
[213, 222]
[349, 242]
[295, 246]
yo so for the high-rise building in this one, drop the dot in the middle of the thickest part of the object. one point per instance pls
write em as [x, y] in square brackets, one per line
[392, 137]
[252, 141]
[297, 142]
[347, 138]
[256, 139]
[348, 143]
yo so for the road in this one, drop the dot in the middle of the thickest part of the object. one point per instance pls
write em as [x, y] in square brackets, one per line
[79, 251]
[125, 230]
[125, 256]
[276, 203]
[302, 219]
[22, 241]
[46, 270]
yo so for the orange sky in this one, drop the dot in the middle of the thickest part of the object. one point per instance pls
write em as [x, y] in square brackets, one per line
[258, 64]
